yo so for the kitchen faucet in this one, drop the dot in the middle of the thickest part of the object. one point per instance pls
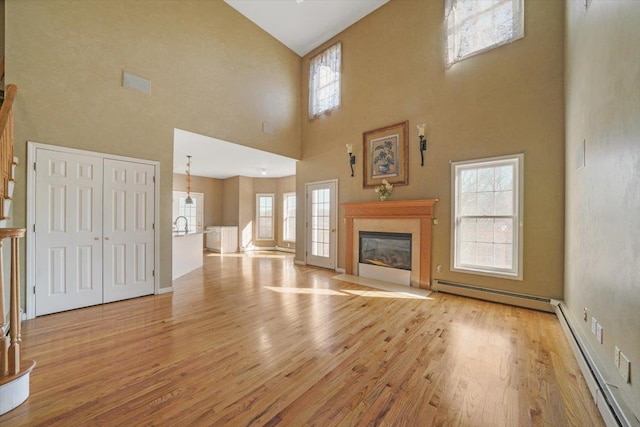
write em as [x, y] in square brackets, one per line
[186, 223]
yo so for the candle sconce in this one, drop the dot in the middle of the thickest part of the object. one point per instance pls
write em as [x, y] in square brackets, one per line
[352, 157]
[423, 142]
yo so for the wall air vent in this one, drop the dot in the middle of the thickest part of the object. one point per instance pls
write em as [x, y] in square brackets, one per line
[136, 82]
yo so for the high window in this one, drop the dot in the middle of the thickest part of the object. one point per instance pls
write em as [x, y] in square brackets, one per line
[289, 217]
[264, 217]
[474, 26]
[487, 216]
[324, 81]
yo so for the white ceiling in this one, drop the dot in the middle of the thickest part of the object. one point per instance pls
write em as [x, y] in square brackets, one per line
[303, 25]
[215, 158]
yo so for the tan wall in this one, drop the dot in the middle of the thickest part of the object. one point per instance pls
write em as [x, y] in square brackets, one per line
[211, 70]
[212, 190]
[508, 100]
[230, 201]
[603, 198]
[246, 211]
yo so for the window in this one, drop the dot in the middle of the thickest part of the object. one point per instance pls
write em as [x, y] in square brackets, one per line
[289, 217]
[193, 212]
[324, 81]
[264, 216]
[475, 26]
[487, 208]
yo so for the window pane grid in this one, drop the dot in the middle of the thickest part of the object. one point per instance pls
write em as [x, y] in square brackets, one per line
[320, 222]
[486, 216]
[324, 81]
[289, 218]
[474, 26]
[264, 217]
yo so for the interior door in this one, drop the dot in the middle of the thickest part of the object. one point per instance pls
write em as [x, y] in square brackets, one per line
[68, 231]
[321, 223]
[128, 230]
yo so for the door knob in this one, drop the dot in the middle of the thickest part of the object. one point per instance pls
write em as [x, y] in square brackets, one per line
[106, 238]
[96, 238]
[333, 230]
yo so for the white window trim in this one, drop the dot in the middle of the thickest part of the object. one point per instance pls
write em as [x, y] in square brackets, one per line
[517, 273]
[273, 207]
[312, 87]
[518, 27]
[284, 215]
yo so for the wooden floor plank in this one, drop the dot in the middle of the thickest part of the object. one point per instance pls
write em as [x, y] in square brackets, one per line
[260, 341]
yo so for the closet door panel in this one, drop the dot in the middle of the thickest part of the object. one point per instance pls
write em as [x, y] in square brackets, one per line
[129, 192]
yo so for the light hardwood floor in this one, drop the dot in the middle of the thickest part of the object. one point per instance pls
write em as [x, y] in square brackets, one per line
[260, 341]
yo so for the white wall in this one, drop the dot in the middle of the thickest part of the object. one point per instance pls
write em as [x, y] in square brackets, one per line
[602, 249]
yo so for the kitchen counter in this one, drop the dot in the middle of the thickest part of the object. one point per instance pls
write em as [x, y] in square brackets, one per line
[187, 252]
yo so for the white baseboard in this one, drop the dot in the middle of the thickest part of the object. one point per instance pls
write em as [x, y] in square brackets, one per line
[283, 249]
[614, 411]
[494, 295]
[340, 270]
[165, 290]
[298, 262]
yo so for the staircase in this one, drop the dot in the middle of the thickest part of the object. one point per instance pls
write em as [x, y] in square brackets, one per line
[14, 375]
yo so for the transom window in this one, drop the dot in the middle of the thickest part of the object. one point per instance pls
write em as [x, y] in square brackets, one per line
[264, 217]
[487, 210]
[475, 26]
[324, 81]
[289, 217]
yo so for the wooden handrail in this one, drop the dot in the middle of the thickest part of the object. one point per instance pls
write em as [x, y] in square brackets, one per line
[6, 144]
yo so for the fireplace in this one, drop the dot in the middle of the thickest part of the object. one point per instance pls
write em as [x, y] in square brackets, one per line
[385, 256]
[411, 217]
[389, 250]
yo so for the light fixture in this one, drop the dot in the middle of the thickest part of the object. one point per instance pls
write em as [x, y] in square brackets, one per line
[352, 157]
[188, 200]
[423, 142]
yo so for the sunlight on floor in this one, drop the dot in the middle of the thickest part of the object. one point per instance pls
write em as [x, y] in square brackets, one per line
[307, 291]
[386, 288]
[251, 254]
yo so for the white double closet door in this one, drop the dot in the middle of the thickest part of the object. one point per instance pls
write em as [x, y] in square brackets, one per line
[94, 237]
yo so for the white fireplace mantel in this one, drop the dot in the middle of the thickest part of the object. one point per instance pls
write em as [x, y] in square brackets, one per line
[421, 210]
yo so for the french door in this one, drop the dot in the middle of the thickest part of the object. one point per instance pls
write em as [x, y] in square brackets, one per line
[321, 223]
[94, 230]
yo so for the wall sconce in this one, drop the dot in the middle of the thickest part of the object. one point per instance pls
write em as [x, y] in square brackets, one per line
[352, 157]
[423, 142]
[188, 200]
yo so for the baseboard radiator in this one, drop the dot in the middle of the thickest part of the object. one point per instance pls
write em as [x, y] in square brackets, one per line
[610, 404]
[494, 295]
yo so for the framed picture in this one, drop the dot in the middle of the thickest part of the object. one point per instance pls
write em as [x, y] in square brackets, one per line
[386, 155]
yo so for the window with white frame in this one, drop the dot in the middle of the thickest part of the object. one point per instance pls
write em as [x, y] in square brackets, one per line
[324, 81]
[264, 217]
[475, 26]
[289, 217]
[487, 216]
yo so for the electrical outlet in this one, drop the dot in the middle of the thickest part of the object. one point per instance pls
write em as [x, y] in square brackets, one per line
[585, 315]
[439, 268]
[624, 368]
[616, 357]
[599, 333]
[594, 325]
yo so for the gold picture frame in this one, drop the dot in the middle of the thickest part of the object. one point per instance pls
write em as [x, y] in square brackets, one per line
[386, 155]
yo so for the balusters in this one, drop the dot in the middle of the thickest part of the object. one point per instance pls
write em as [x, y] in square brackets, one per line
[10, 357]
